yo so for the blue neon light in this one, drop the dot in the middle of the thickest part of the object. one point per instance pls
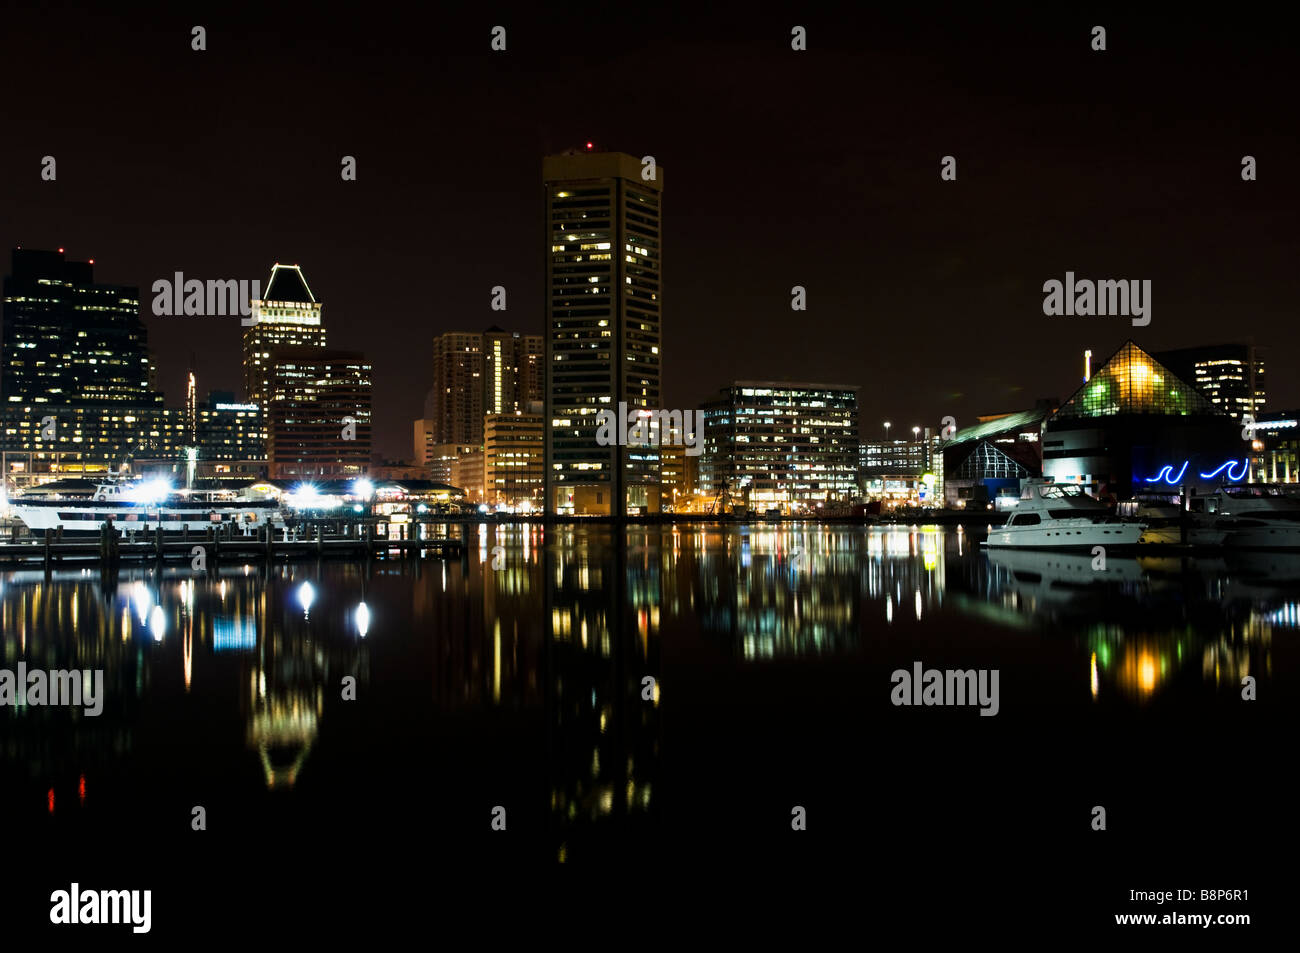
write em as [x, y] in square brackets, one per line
[1166, 473]
[1231, 467]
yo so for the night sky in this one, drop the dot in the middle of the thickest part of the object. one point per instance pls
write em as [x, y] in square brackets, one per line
[818, 168]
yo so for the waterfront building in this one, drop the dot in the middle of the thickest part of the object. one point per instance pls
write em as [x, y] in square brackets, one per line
[679, 472]
[902, 472]
[1275, 448]
[512, 460]
[986, 462]
[228, 430]
[603, 328]
[786, 445]
[1135, 425]
[76, 396]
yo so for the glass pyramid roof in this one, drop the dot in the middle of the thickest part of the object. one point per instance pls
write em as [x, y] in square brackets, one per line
[1133, 382]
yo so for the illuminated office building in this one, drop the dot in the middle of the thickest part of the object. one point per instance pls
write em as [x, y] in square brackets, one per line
[679, 472]
[1231, 376]
[476, 374]
[779, 444]
[226, 430]
[1275, 449]
[287, 315]
[69, 341]
[318, 421]
[512, 460]
[603, 334]
[75, 390]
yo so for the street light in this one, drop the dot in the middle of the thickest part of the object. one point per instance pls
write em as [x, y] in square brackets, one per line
[887, 426]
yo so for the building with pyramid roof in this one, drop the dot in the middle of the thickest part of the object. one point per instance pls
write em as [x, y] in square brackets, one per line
[1136, 426]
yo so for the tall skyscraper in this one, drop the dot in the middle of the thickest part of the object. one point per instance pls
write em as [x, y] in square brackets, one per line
[603, 333]
[287, 315]
[68, 340]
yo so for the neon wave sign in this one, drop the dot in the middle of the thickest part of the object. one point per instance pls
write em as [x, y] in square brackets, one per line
[1231, 466]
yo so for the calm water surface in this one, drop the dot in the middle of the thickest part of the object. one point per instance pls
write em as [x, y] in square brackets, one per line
[771, 650]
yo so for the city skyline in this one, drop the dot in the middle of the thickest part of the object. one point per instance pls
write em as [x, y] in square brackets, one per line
[843, 199]
[736, 435]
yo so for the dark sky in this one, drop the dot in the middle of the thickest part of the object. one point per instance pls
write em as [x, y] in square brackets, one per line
[818, 168]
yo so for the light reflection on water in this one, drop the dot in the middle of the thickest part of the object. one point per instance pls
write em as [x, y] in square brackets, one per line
[562, 627]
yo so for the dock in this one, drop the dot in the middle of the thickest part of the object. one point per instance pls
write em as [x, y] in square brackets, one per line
[216, 547]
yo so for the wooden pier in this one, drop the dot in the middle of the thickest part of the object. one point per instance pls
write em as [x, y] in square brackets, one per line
[224, 546]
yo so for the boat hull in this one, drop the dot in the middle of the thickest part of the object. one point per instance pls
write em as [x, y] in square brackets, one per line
[80, 519]
[1065, 537]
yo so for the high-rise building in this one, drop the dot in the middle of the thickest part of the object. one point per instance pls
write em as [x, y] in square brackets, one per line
[495, 372]
[457, 396]
[603, 331]
[319, 403]
[510, 363]
[75, 386]
[1231, 376]
[783, 445]
[69, 341]
[287, 315]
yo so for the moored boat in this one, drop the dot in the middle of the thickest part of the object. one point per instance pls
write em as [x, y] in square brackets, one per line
[142, 506]
[1061, 516]
[1255, 516]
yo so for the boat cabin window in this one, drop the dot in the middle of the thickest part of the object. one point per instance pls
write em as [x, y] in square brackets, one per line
[1025, 519]
[1069, 514]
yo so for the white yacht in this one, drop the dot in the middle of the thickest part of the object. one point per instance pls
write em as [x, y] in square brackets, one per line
[1255, 516]
[1062, 516]
[142, 507]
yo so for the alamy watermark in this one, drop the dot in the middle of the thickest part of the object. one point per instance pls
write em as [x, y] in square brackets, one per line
[685, 427]
[922, 686]
[102, 906]
[1101, 298]
[178, 296]
[56, 687]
